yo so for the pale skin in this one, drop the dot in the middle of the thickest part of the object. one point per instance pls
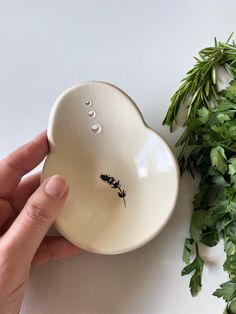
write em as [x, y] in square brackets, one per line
[27, 210]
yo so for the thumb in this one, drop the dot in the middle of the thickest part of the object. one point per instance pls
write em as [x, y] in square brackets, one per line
[41, 210]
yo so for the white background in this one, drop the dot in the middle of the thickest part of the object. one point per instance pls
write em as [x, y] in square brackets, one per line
[145, 48]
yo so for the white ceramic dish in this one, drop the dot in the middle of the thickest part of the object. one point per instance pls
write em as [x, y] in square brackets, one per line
[96, 129]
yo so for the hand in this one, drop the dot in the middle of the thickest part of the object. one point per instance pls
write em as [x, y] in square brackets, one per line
[27, 210]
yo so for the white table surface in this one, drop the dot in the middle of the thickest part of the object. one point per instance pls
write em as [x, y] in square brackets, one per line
[145, 47]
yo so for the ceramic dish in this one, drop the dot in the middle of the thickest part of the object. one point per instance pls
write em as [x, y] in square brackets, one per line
[123, 176]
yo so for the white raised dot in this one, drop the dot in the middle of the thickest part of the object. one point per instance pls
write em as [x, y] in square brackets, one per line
[96, 128]
[91, 113]
[88, 103]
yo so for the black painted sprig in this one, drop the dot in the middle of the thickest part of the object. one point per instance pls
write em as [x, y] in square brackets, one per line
[115, 184]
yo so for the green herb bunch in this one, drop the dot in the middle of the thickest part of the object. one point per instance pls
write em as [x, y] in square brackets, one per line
[209, 147]
[214, 156]
[199, 89]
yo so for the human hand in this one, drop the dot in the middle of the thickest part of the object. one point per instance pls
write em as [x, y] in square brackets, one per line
[26, 212]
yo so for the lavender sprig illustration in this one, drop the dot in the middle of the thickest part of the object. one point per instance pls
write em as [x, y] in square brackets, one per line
[115, 184]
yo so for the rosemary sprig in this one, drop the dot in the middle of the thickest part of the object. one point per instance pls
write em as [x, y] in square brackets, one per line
[115, 184]
[199, 89]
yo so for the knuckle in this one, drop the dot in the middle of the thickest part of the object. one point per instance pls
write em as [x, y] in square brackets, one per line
[38, 212]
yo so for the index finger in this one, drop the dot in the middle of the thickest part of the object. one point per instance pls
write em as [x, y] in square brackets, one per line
[21, 161]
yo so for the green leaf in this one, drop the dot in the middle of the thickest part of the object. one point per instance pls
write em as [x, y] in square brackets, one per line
[210, 238]
[233, 179]
[231, 91]
[197, 223]
[225, 105]
[232, 166]
[227, 290]
[230, 265]
[230, 231]
[187, 250]
[230, 247]
[203, 115]
[222, 117]
[226, 311]
[223, 222]
[197, 200]
[232, 307]
[219, 180]
[195, 282]
[196, 266]
[211, 194]
[218, 159]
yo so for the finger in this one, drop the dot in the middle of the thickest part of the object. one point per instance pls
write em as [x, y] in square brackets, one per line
[25, 189]
[32, 223]
[6, 212]
[11, 208]
[7, 225]
[54, 248]
[20, 162]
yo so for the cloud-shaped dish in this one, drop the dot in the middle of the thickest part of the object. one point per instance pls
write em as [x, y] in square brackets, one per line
[96, 129]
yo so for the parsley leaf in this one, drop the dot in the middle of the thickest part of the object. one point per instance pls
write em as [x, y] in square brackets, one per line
[196, 267]
[227, 290]
[218, 159]
[187, 250]
[197, 225]
[230, 265]
[232, 166]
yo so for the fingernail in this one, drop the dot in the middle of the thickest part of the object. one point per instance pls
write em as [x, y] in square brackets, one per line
[56, 186]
